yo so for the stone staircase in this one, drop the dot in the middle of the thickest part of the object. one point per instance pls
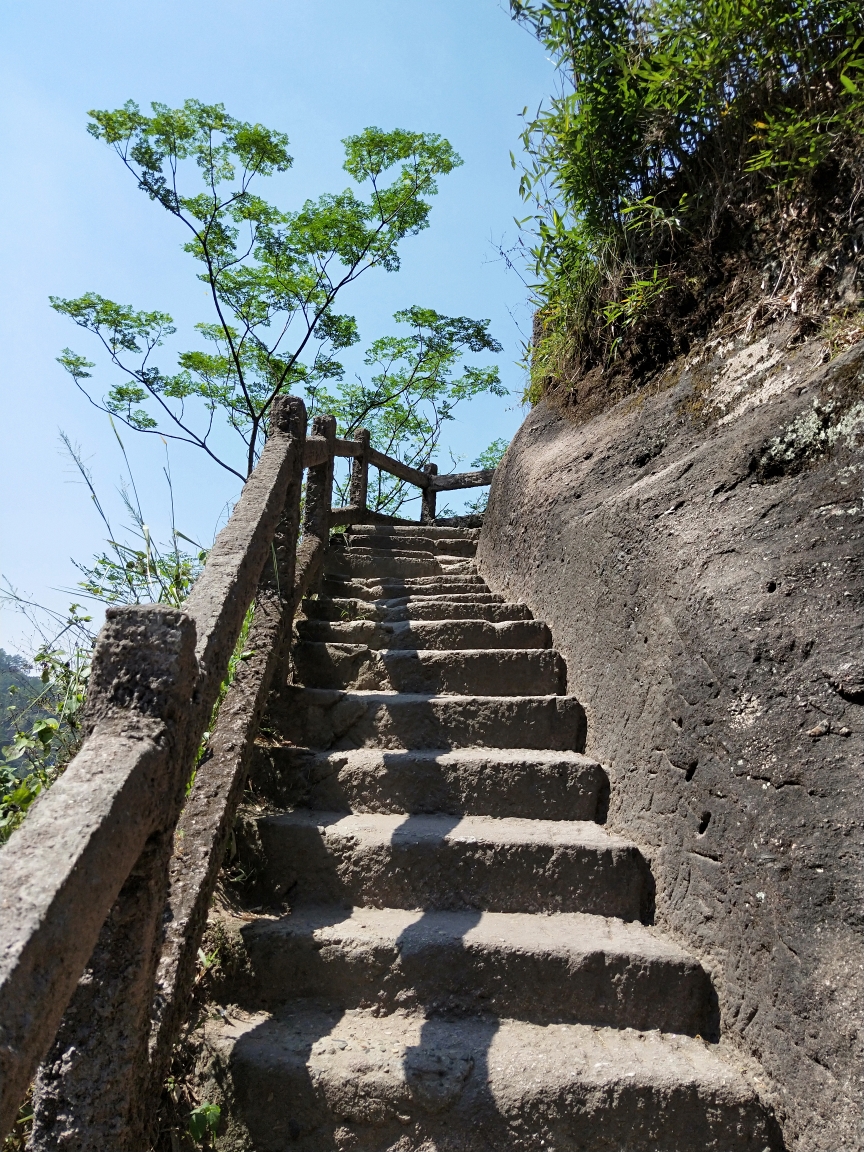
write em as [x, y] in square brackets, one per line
[468, 961]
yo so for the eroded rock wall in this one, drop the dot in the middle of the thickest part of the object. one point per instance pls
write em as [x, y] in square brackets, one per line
[697, 554]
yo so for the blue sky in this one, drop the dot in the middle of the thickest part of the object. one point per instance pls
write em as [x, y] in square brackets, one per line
[73, 219]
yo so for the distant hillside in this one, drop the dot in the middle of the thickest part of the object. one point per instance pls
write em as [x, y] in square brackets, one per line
[16, 688]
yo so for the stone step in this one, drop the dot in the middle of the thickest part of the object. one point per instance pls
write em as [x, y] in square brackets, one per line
[325, 718]
[419, 553]
[395, 531]
[456, 567]
[382, 860]
[312, 1080]
[478, 595]
[532, 784]
[565, 968]
[419, 535]
[428, 583]
[445, 635]
[446, 562]
[442, 585]
[492, 672]
[436, 585]
[343, 562]
[446, 545]
[447, 608]
[479, 606]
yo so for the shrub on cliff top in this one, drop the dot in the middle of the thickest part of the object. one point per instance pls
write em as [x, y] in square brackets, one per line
[682, 135]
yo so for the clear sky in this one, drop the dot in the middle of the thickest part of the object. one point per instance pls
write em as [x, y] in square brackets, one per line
[73, 220]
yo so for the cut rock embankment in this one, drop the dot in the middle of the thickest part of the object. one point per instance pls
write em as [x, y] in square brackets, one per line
[697, 554]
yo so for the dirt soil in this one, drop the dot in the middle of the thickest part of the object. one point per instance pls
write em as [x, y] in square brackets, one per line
[697, 554]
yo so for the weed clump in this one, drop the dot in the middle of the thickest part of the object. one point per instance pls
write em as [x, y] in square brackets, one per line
[696, 162]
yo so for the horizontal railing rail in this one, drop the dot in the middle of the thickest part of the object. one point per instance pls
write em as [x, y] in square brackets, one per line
[105, 887]
[462, 480]
[316, 453]
[397, 468]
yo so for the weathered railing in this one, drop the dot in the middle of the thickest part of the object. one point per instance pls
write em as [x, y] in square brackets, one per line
[105, 888]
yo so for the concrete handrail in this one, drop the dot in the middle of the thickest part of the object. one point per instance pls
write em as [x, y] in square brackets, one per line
[155, 678]
[114, 868]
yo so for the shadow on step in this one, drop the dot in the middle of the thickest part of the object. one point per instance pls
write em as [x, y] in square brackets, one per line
[438, 1067]
[339, 720]
[389, 860]
[462, 782]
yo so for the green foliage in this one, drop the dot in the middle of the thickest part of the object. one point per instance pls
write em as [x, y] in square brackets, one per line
[140, 575]
[416, 381]
[18, 688]
[272, 275]
[636, 300]
[204, 1120]
[44, 722]
[490, 457]
[669, 115]
[41, 726]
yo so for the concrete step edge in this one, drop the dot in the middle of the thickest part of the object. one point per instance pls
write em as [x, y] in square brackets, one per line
[567, 967]
[498, 1083]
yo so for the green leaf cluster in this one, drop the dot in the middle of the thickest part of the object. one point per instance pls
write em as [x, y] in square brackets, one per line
[490, 457]
[203, 1121]
[272, 275]
[44, 716]
[18, 688]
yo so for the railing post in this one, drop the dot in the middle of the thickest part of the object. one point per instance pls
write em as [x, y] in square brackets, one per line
[317, 513]
[359, 486]
[319, 485]
[427, 507]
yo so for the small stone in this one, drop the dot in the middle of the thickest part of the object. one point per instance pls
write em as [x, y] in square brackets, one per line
[821, 729]
[845, 731]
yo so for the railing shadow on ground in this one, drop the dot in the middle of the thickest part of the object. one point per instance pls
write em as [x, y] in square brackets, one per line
[98, 912]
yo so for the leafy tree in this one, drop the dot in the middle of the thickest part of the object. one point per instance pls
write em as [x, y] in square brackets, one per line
[492, 456]
[273, 277]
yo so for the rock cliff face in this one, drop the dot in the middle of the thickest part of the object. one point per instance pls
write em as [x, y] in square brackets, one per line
[697, 553]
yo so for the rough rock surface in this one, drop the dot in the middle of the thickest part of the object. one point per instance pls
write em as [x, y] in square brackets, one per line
[697, 554]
